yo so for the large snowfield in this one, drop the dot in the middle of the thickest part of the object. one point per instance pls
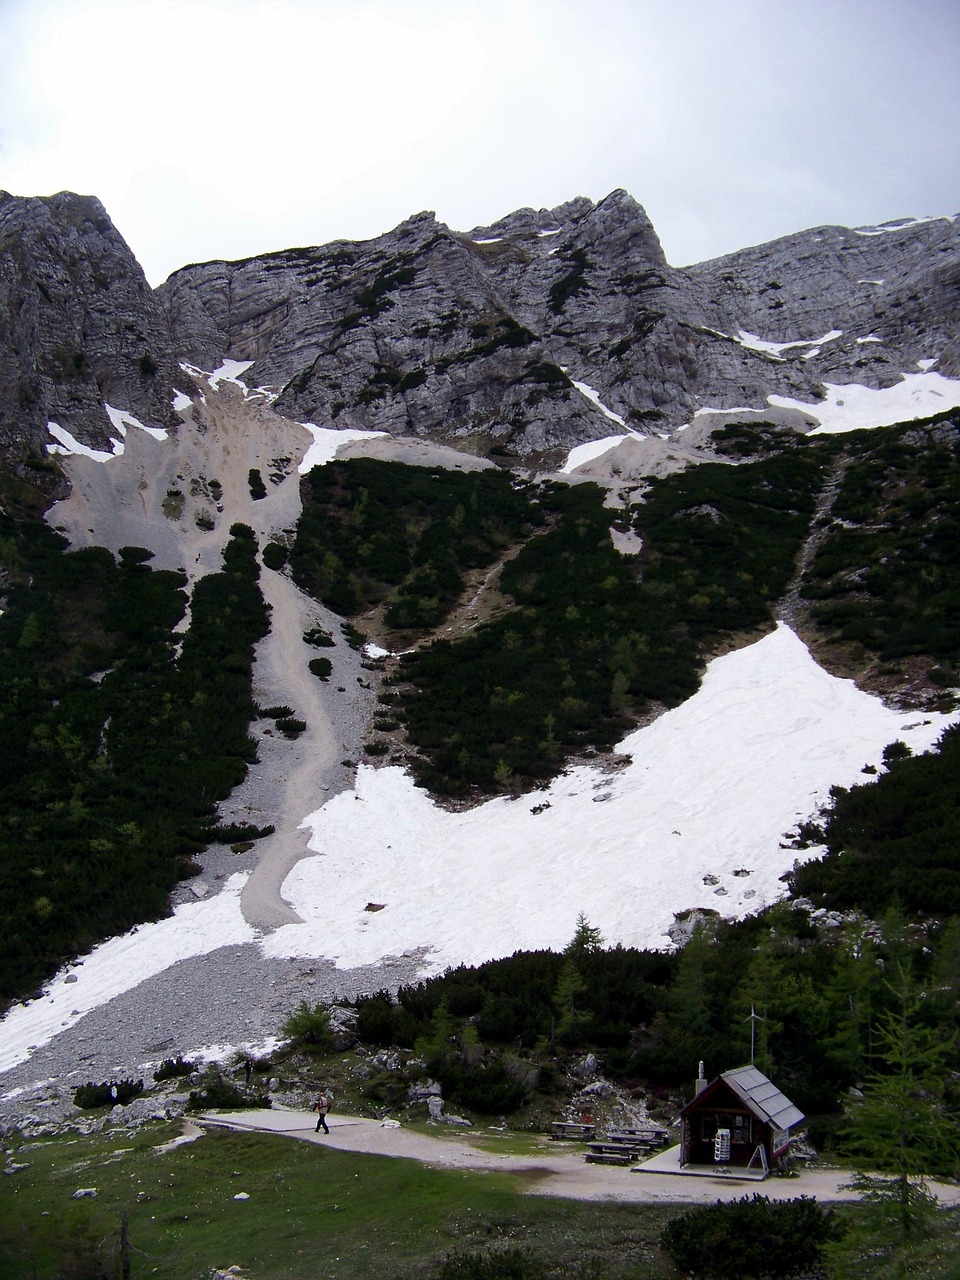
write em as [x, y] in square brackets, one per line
[700, 817]
[698, 814]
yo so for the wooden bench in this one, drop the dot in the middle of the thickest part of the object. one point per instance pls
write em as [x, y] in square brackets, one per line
[577, 1130]
[607, 1152]
[653, 1137]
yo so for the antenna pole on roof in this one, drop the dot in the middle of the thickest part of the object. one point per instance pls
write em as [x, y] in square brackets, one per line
[753, 1019]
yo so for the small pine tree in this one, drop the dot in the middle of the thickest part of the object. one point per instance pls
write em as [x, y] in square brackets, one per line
[572, 1016]
[902, 1127]
[585, 941]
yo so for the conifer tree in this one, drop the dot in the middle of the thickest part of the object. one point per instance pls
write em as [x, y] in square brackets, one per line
[903, 1128]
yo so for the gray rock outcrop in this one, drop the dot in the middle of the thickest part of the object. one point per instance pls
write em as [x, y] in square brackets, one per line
[79, 328]
[547, 329]
[481, 337]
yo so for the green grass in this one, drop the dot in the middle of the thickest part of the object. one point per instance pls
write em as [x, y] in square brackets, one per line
[311, 1212]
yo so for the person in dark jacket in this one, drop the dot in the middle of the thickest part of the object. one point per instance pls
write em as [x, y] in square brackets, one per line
[322, 1108]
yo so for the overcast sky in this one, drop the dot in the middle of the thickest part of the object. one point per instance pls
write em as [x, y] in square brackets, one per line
[224, 128]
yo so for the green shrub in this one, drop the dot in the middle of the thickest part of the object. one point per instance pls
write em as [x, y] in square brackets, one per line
[231, 832]
[309, 1028]
[486, 1087]
[257, 488]
[750, 1237]
[319, 638]
[275, 555]
[321, 668]
[225, 1097]
[173, 1068]
[107, 1094]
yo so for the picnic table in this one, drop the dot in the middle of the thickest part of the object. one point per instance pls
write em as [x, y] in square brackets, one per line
[580, 1130]
[624, 1146]
[612, 1152]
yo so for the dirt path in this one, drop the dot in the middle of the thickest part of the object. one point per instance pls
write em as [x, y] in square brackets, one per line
[559, 1171]
[282, 671]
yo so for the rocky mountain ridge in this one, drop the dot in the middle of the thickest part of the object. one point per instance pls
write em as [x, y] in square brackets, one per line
[484, 340]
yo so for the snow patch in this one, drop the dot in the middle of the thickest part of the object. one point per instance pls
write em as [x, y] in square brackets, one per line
[326, 442]
[852, 406]
[69, 445]
[753, 343]
[121, 420]
[115, 966]
[900, 224]
[762, 742]
[594, 398]
[587, 452]
[229, 371]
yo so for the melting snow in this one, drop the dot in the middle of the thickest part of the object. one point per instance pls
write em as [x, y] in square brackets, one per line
[759, 747]
[229, 371]
[753, 343]
[122, 963]
[851, 406]
[900, 224]
[594, 398]
[587, 452]
[326, 442]
[710, 790]
[121, 420]
[69, 444]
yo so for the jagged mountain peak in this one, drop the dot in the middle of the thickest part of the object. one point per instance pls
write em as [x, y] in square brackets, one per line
[480, 339]
[80, 327]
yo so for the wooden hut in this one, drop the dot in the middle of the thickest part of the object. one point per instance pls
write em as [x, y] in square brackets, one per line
[741, 1120]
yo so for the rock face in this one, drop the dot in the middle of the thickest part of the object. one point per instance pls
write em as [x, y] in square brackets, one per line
[427, 332]
[79, 327]
[545, 330]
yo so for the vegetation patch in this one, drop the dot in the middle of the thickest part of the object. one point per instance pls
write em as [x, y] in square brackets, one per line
[102, 779]
[896, 839]
[751, 1236]
[374, 532]
[886, 575]
[595, 637]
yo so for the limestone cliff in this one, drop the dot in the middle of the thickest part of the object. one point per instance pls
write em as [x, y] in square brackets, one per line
[524, 338]
[79, 327]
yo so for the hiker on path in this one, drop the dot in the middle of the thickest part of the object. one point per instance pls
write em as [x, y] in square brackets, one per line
[322, 1107]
